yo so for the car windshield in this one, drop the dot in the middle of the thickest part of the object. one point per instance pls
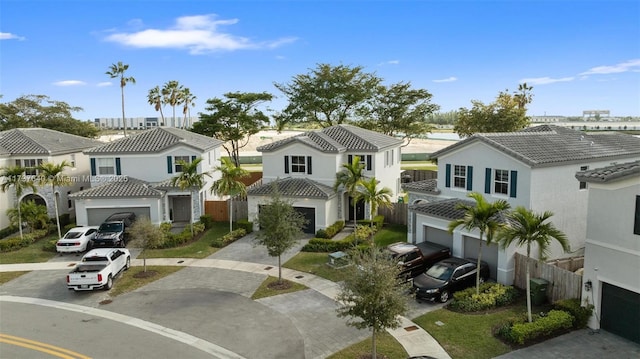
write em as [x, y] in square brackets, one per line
[110, 227]
[440, 272]
[73, 235]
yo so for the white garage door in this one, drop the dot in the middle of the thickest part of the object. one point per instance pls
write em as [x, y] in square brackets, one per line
[438, 236]
[489, 253]
[95, 216]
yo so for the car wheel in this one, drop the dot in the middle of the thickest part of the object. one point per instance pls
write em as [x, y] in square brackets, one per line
[109, 283]
[444, 296]
[126, 266]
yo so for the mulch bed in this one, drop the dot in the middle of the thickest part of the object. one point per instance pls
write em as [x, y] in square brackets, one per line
[285, 284]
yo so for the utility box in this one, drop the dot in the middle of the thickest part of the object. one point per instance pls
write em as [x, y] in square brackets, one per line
[538, 290]
[338, 259]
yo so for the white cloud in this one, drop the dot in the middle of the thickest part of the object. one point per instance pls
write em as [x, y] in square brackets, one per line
[631, 65]
[545, 80]
[448, 79]
[10, 36]
[104, 84]
[199, 34]
[70, 83]
[390, 62]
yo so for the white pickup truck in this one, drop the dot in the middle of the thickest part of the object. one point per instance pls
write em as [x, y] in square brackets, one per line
[98, 268]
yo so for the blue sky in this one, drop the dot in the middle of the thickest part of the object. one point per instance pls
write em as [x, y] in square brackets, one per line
[578, 55]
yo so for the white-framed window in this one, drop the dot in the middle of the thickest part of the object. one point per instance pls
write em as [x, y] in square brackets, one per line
[73, 160]
[583, 185]
[363, 161]
[298, 164]
[106, 166]
[501, 182]
[460, 176]
[29, 165]
[177, 166]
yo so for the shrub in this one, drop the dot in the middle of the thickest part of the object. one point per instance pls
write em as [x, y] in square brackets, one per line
[15, 243]
[555, 321]
[65, 219]
[244, 224]
[321, 233]
[328, 245]
[50, 246]
[165, 227]
[207, 220]
[580, 314]
[229, 238]
[491, 295]
[332, 230]
[68, 226]
[7, 231]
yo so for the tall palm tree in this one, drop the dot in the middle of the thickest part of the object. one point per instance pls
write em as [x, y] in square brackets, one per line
[482, 216]
[348, 179]
[171, 95]
[51, 173]
[13, 176]
[229, 184]
[115, 71]
[154, 98]
[190, 179]
[368, 191]
[187, 100]
[526, 228]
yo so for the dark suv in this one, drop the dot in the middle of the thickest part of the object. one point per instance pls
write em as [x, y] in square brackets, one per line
[113, 231]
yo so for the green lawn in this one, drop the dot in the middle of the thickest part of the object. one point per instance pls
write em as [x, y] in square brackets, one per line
[31, 254]
[385, 345]
[8, 276]
[201, 248]
[131, 280]
[264, 291]
[418, 165]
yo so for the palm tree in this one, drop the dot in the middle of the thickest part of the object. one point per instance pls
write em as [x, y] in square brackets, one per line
[525, 227]
[154, 98]
[348, 179]
[51, 173]
[171, 95]
[190, 179]
[118, 70]
[229, 184]
[482, 216]
[367, 191]
[187, 100]
[13, 176]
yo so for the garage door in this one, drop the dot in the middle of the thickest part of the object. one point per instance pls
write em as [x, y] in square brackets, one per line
[489, 253]
[438, 236]
[310, 215]
[95, 216]
[620, 312]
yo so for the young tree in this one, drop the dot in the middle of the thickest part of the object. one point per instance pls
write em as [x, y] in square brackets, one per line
[154, 98]
[326, 96]
[368, 191]
[34, 214]
[526, 228]
[229, 184]
[172, 96]
[483, 216]
[371, 296]
[280, 227]
[233, 120]
[53, 174]
[13, 176]
[189, 178]
[117, 71]
[348, 179]
[145, 235]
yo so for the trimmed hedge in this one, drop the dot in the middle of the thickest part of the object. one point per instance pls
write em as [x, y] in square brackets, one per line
[229, 238]
[491, 295]
[7, 231]
[580, 314]
[328, 245]
[207, 220]
[243, 224]
[555, 321]
[172, 240]
[330, 231]
[378, 222]
[15, 243]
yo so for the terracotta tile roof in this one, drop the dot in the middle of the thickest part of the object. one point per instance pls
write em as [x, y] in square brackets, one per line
[156, 140]
[426, 186]
[294, 187]
[610, 173]
[42, 141]
[122, 187]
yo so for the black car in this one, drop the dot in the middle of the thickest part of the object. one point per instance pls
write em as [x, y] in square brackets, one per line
[448, 276]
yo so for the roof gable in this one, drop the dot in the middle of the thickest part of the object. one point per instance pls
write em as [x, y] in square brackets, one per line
[125, 187]
[157, 140]
[42, 141]
[294, 187]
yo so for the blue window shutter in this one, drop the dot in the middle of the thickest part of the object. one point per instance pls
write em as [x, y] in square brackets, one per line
[469, 178]
[193, 158]
[169, 165]
[118, 171]
[513, 184]
[286, 164]
[487, 180]
[350, 159]
[308, 165]
[369, 163]
[93, 167]
[447, 179]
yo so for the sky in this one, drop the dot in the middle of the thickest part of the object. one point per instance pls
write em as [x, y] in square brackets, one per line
[577, 55]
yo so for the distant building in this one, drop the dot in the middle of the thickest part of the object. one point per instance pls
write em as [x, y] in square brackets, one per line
[143, 123]
[595, 114]
[548, 119]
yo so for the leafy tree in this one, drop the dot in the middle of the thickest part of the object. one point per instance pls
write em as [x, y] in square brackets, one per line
[326, 96]
[117, 71]
[507, 113]
[51, 173]
[233, 120]
[40, 111]
[368, 191]
[34, 214]
[187, 100]
[154, 98]
[444, 118]
[526, 228]
[371, 296]
[190, 179]
[280, 227]
[483, 216]
[172, 96]
[348, 179]
[229, 184]
[13, 176]
[145, 235]
[398, 110]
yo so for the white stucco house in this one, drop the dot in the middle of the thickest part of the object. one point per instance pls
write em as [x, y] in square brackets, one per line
[132, 174]
[534, 168]
[304, 168]
[30, 147]
[612, 253]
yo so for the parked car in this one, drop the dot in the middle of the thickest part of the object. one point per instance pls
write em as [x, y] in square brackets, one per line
[113, 231]
[77, 239]
[448, 276]
[98, 268]
[414, 259]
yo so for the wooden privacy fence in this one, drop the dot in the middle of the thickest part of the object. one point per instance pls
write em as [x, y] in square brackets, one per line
[219, 210]
[563, 284]
[396, 214]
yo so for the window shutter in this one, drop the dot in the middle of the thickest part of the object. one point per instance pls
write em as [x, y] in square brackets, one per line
[369, 163]
[93, 166]
[513, 184]
[487, 180]
[169, 165]
[350, 159]
[469, 178]
[308, 165]
[447, 179]
[19, 163]
[286, 164]
[118, 171]
[193, 158]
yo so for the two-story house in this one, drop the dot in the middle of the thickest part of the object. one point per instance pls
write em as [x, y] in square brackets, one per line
[612, 250]
[30, 147]
[534, 168]
[304, 169]
[133, 174]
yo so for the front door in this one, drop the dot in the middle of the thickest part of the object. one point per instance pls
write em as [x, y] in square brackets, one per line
[359, 209]
[181, 208]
